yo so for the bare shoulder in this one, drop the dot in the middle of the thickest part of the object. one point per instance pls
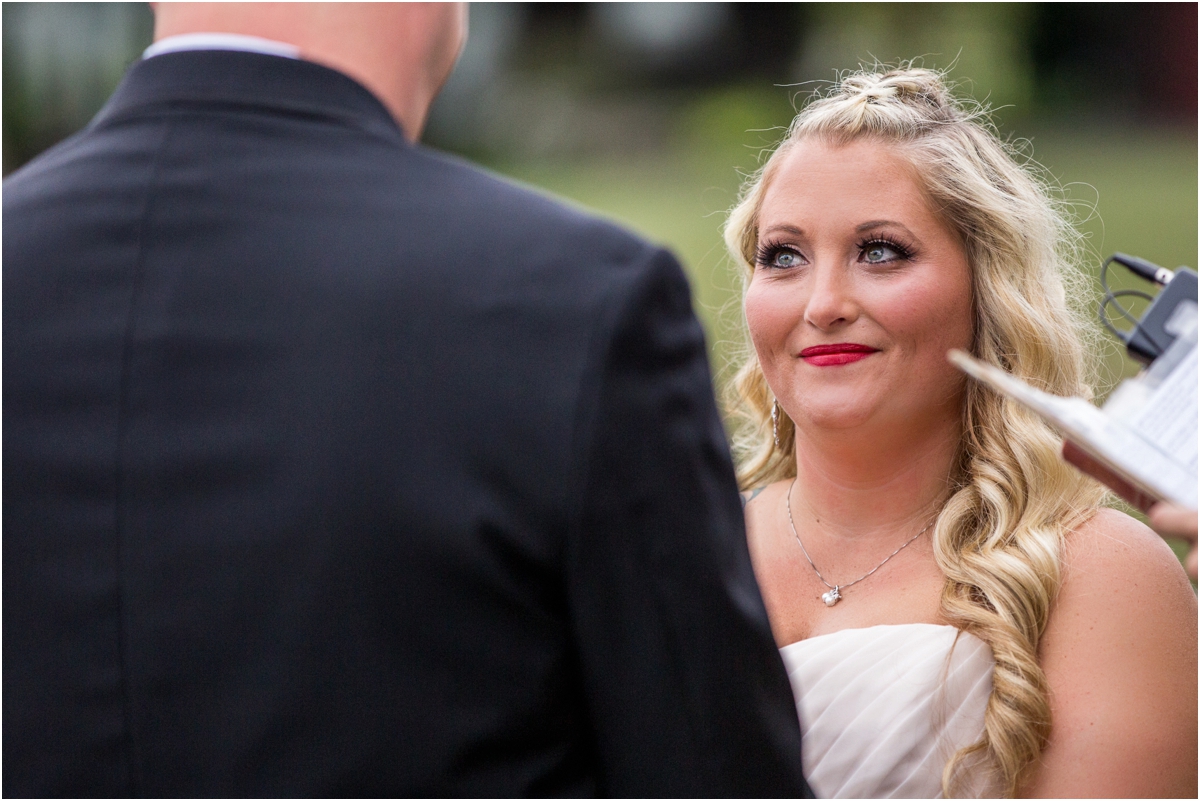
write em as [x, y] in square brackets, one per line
[759, 505]
[750, 495]
[757, 498]
[1119, 655]
[758, 502]
[1120, 582]
[1114, 559]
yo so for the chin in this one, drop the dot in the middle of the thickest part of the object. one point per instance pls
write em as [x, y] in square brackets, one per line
[835, 416]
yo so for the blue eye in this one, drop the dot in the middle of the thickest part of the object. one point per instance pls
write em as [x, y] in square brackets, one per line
[785, 258]
[883, 250]
[778, 257]
[879, 253]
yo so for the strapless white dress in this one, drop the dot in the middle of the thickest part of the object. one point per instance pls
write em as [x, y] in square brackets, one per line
[882, 709]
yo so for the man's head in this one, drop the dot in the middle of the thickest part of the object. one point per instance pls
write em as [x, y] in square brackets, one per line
[402, 52]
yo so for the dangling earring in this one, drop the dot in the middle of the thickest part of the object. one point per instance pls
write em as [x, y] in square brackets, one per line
[775, 423]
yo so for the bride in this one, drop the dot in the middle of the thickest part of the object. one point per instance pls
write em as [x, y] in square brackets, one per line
[957, 611]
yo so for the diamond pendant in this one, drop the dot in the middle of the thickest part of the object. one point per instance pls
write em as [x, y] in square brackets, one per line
[832, 597]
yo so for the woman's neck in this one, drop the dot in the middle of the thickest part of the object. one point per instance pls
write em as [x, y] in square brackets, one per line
[851, 484]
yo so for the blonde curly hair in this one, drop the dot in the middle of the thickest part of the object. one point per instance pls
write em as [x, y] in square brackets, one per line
[999, 538]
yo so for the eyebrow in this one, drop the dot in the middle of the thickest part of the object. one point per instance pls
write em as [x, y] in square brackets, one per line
[791, 229]
[867, 226]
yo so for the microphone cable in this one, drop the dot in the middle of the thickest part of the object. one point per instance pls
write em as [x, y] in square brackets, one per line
[1142, 268]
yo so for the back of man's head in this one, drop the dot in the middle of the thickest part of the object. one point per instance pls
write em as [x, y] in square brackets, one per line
[402, 52]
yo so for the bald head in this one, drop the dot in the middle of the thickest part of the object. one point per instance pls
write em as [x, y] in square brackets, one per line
[402, 52]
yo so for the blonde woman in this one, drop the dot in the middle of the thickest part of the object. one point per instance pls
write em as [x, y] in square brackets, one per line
[957, 611]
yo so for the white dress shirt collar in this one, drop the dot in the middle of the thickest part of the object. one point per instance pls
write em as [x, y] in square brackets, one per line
[220, 41]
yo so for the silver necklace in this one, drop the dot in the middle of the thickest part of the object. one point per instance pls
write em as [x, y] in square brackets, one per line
[835, 590]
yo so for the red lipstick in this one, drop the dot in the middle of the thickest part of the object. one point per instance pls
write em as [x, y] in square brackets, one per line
[833, 355]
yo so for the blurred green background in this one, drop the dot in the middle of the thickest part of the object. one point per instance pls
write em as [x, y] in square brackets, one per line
[651, 113]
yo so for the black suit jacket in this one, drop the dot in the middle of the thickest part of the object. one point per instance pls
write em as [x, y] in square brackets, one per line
[335, 466]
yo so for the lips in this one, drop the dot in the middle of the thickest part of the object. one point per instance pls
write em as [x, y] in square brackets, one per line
[833, 355]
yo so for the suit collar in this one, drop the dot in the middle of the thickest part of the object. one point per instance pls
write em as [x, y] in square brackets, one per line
[223, 77]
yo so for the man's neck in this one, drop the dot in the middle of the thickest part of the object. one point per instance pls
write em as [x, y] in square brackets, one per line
[401, 52]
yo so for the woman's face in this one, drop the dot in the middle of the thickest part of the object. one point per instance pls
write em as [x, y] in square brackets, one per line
[859, 289]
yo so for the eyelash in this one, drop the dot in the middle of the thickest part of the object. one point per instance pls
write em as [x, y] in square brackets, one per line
[767, 251]
[904, 251]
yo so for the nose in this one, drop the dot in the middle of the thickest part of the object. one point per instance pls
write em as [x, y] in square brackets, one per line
[830, 304]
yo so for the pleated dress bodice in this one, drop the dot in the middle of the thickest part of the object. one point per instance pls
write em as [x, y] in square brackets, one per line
[882, 709]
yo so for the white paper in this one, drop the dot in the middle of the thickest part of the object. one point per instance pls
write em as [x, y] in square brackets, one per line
[1152, 443]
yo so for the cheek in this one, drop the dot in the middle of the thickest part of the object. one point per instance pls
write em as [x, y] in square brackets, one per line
[770, 319]
[953, 318]
[933, 313]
